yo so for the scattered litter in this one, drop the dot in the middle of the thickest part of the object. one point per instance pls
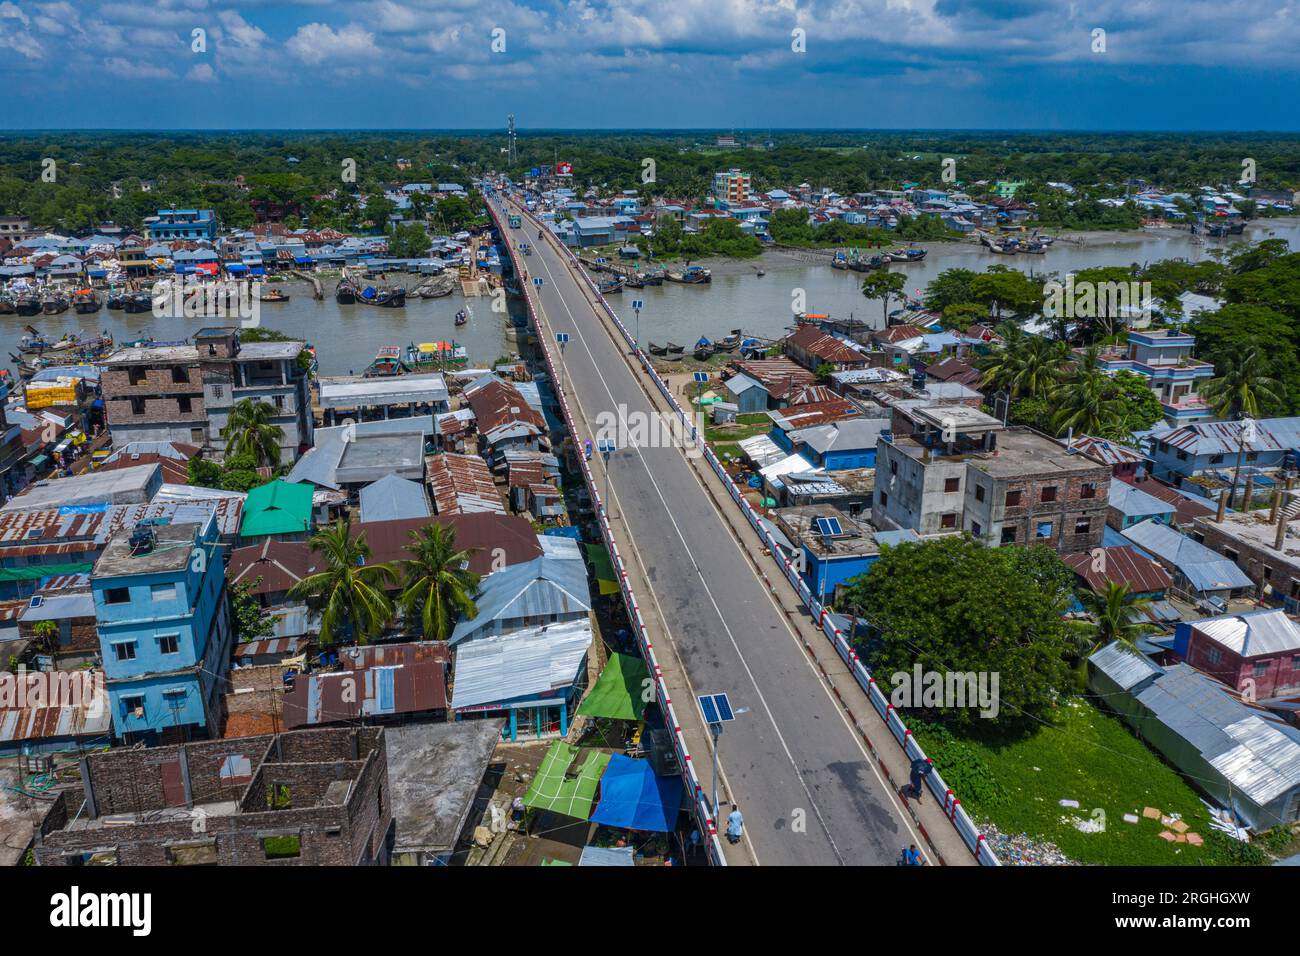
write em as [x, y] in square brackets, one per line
[1195, 839]
[1178, 826]
[1084, 826]
[1074, 804]
[1151, 813]
[1167, 836]
[1021, 850]
[1130, 818]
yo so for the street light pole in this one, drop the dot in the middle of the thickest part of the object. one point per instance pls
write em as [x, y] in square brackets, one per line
[717, 736]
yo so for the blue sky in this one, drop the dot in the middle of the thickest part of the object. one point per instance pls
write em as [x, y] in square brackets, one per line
[999, 64]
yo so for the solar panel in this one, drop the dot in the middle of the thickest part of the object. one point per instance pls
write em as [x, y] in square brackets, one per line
[37, 600]
[716, 708]
[828, 527]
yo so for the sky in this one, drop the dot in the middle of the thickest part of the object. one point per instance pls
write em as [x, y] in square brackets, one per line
[593, 64]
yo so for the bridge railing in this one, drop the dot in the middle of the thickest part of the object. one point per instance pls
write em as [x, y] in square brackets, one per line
[948, 799]
[699, 800]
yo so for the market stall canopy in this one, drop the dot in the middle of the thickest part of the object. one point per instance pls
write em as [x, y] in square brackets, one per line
[634, 797]
[603, 568]
[607, 856]
[555, 790]
[620, 691]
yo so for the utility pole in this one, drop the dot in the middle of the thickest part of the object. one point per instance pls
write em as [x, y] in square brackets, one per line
[513, 155]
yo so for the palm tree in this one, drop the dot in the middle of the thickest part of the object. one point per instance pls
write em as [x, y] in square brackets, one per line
[1026, 365]
[351, 591]
[1115, 611]
[437, 581]
[1236, 393]
[249, 431]
[1086, 403]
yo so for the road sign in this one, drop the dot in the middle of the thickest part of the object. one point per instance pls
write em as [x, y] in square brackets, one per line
[716, 708]
[562, 338]
[637, 305]
[701, 377]
[537, 281]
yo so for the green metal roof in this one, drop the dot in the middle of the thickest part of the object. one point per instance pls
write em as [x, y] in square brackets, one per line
[277, 507]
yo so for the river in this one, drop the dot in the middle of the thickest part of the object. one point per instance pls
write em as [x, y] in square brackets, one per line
[348, 336]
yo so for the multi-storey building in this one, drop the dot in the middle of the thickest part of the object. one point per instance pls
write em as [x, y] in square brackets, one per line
[960, 469]
[184, 393]
[731, 187]
[164, 629]
[1164, 358]
[173, 224]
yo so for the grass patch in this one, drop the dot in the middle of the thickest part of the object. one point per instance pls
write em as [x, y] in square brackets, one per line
[1085, 755]
[734, 433]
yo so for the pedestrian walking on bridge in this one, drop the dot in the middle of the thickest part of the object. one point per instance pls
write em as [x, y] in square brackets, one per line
[735, 826]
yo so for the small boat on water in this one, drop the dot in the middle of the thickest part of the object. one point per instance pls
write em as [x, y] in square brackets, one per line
[694, 275]
[611, 285]
[729, 343]
[29, 303]
[840, 261]
[704, 349]
[275, 295]
[137, 302]
[431, 356]
[634, 281]
[654, 349]
[86, 301]
[116, 301]
[906, 255]
[345, 293]
[462, 316]
[387, 363]
[383, 298]
[652, 278]
[868, 263]
[7, 305]
[54, 303]
[675, 349]
[760, 272]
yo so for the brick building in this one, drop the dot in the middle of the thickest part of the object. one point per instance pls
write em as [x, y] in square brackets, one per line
[1267, 550]
[1257, 651]
[304, 798]
[184, 393]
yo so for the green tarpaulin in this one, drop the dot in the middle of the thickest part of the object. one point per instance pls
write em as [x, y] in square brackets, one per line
[620, 692]
[556, 790]
[603, 567]
[35, 572]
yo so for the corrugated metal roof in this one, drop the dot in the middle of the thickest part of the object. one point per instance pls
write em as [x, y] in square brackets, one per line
[1122, 565]
[1220, 438]
[78, 711]
[392, 498]
[1132, 501]
[462, 484]
[1253, 633]
[1124, 666]
[1204, 569]
[377, 680]
[526, 664]
[1262, 759]
[544, 587]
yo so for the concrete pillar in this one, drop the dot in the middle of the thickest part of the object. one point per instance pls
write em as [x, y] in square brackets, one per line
[1277, 501]
[1223, 504]
[1248, 493]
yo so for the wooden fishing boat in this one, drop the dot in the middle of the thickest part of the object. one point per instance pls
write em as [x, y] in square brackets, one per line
[54, 303]
[703, 349]
[137, 302]
[387, 363]
[383, 298]
[675, 349]
[694, 275]
[906, 255]
[275, 295]
[7, 305]
[611, 285]
[29, 303]
[462, 317]
[654, 349]
[345, 293]
[86, 301]
[116, 301]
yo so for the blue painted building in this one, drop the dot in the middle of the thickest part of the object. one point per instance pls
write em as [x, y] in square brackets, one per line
[172, 224]
[1213, 446]
[841, 445]
[830, 548]
[164, 630]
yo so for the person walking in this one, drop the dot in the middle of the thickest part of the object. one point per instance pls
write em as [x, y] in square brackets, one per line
[735, 826]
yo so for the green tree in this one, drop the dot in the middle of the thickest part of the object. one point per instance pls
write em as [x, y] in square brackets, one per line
[249, 431]
[953, 604]
[950, 287]
[351, 592]
[884, 285]
[1002, 288]
[251, 624]
[1237, 391]
[437, 582]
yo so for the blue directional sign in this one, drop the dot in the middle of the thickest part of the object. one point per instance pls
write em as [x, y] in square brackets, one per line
[562, 338]
[537, 281]
[637, 305]
[701, 377]
[716, 708]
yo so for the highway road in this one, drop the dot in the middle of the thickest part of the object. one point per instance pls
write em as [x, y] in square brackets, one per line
[808, 791]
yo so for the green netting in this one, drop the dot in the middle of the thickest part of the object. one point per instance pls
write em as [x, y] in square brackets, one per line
[620, 691]
[553, 789]
[37, 571]
[603, 567]
[556, 863]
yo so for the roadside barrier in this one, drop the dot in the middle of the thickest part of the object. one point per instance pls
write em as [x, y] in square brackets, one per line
[699, 800]
[952, 807]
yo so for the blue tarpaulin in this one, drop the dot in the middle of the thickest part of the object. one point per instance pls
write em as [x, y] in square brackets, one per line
[567, 531]
[634, 797]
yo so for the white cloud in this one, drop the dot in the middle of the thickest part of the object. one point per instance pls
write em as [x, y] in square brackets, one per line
[317, 42]
[135, 70]
[201, 73]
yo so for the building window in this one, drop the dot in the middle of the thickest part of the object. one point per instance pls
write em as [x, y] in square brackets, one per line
[1261, 669]
[168, 644]
[1043, 529]
[1008, 535]
[180, 375]
[136, 374]
[124, 651]
[1214, 655]
[1252, 456]
[1089, 490]
[279, 402]
[117, 596]
[137, 406]
[949, 520]
[1048, 493]
[1216, 459]
[975, 529]
[951, 484]
[1082, 525]
[1231, 555]
[282, 847]
[196, 436]
[184, 405]
[1182, 455]
[893, 467]
[132, 704]
[1295, 662]
[979, 492]
[884, 499]
[1013, 499]
[218, 391]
